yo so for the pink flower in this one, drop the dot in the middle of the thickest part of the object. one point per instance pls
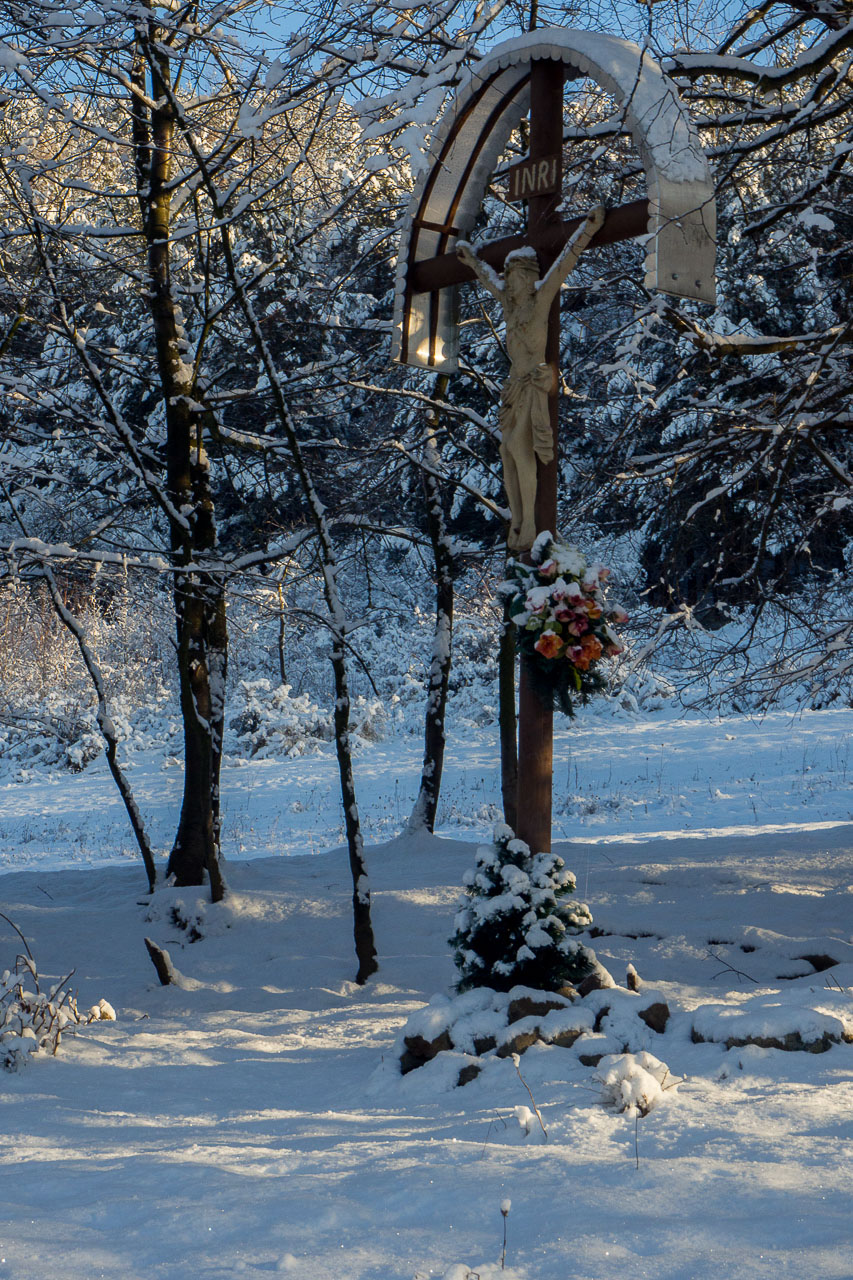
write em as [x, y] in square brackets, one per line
[548, 569]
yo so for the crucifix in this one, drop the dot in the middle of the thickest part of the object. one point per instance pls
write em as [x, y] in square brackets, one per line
[678, 217]
[525, 413]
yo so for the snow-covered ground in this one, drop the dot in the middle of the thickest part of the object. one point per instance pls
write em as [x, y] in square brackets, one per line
[617, 776]
[253, 1122]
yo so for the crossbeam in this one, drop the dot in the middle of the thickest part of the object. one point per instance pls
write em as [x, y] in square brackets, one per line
[623, 223]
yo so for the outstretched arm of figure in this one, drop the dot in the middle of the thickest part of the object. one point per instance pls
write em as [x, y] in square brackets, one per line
[567, 261]
[488, 278]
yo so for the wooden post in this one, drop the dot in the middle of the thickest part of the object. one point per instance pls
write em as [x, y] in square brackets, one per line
[535, 720]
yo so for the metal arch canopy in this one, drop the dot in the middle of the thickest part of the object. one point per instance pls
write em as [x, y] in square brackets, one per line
[472, 135]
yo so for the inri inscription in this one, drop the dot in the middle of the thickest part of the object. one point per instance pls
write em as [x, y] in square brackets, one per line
[534, 178]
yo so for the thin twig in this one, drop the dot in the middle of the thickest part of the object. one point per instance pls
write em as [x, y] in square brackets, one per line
[18, 932]
[517, 1064]
[729, 968]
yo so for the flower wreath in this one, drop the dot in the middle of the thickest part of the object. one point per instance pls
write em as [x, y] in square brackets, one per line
[562, 620]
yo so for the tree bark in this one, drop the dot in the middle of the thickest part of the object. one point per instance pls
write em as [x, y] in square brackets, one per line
[282, 667]
[162, 962]
[199, 594]
[435, 737]
[365, 946]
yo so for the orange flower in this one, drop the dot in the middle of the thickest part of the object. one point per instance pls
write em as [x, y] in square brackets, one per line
[549, 645]
[586, 652]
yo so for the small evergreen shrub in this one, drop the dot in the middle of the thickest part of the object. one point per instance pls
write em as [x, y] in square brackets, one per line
[517, 920]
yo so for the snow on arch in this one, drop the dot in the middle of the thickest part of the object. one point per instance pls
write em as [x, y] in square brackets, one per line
[472, 135]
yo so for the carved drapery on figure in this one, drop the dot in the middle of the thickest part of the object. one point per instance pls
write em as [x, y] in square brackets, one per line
[524, 415]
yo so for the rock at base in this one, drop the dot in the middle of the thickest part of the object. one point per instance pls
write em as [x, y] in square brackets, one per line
[519, 1043]
[418, 1050]
[469, 1073]
[656, 1016]
[792, 1042]
[530, 1006]
[565, 1039]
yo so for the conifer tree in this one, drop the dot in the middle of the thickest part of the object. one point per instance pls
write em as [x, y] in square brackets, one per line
[517, 921]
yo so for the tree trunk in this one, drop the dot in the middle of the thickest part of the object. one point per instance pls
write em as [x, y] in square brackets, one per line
[199, 595]
[202, 661]
[508, 721]
[426, 805]
[282, 668]
[104, 720]
[365, 947]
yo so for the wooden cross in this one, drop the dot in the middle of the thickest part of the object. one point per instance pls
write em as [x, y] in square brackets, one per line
[539, 181]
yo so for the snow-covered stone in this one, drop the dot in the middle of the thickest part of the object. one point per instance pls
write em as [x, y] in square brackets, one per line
[793, 1019]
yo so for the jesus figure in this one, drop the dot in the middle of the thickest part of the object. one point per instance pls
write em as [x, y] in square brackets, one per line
[524, 413]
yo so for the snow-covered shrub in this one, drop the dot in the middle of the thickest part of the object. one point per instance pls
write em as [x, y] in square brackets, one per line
[517, 920]
[367, 719]
[32, 1019]
[86, 747]
[275, 721]
[191, 920]
[634, 1083]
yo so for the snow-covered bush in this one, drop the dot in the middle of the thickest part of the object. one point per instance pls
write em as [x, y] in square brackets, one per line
[32, 1019]
[634, 1082]
[517, 920]
[275, 721]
